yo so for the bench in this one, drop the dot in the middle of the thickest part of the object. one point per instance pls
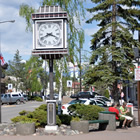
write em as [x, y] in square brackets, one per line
[102, 123]
[111, 117]
[84, 125]
[120, 123]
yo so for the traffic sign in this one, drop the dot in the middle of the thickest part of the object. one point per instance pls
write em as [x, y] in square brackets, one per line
[69, 83]
[10, 86]
[137, 74]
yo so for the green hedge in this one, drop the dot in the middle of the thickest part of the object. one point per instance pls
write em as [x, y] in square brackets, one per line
[39, 115]
[35, 98]
[85, 112]
[65, 119]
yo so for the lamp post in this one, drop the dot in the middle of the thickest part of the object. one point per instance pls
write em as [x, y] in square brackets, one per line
[7, 21]
[81, 41]
[1, 22]
[80, 67]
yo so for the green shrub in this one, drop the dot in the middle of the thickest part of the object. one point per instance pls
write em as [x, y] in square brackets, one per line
[24, 112]
[36, 98]
[58, 121]
[42, 107]
[77, 119]
[39, 116]
[85, 112]
[24, 119]
[65, 119]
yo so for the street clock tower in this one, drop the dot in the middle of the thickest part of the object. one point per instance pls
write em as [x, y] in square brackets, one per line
[50, 42]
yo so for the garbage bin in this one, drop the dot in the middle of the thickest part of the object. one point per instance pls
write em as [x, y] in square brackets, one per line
[130, 107]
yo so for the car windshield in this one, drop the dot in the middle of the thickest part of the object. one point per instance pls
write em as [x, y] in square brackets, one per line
[77, 101]
[99, 103]
[100, 99]
[84, 93]
[105, 99]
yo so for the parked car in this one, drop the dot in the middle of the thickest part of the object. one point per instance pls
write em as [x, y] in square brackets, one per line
[65, 106]
[83, 94]
[98, 102]
[13, 97]
[25, 97]
[108, 102]
[82, 101]
[96, 94]
[55, 95]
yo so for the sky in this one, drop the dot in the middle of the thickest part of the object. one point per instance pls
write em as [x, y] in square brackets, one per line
[13, 36]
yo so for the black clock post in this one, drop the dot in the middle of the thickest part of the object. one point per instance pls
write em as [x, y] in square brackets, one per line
[50, 43]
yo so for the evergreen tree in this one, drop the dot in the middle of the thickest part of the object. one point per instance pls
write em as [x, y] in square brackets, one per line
[113, 43]
[16, 70]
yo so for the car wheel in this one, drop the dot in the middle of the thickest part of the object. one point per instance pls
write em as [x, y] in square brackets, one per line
[18, 102]
[24, 101]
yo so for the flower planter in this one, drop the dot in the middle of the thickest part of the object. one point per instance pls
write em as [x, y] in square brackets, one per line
[80, 126]
[25, 128]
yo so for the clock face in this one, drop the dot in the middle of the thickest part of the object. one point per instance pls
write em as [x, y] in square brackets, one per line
[49, 34]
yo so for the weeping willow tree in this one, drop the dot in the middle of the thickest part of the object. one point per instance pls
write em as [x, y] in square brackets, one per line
[112, 45]
[76, 12]
[33, 72]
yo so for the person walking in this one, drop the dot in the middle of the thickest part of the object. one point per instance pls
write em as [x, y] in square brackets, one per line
[122, 97]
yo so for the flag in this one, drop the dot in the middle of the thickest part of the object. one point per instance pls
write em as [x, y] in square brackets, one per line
[2, 60]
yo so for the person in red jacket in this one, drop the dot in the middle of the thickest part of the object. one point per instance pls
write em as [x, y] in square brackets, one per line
[114, 109]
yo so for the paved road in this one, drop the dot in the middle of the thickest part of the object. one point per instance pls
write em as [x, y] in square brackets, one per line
[10, 111]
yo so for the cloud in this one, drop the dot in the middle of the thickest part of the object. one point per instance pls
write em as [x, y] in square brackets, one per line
[91, 31]
[13, 35]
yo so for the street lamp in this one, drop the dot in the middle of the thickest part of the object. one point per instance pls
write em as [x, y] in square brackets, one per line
[7, 21]
[80, 66]
[81, 41]
[12, 21]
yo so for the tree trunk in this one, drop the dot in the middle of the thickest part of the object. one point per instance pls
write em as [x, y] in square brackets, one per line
[114, 91]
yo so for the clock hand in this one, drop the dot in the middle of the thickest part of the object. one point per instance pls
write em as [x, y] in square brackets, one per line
[53, 35]
[48, 34]
[42, 38]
